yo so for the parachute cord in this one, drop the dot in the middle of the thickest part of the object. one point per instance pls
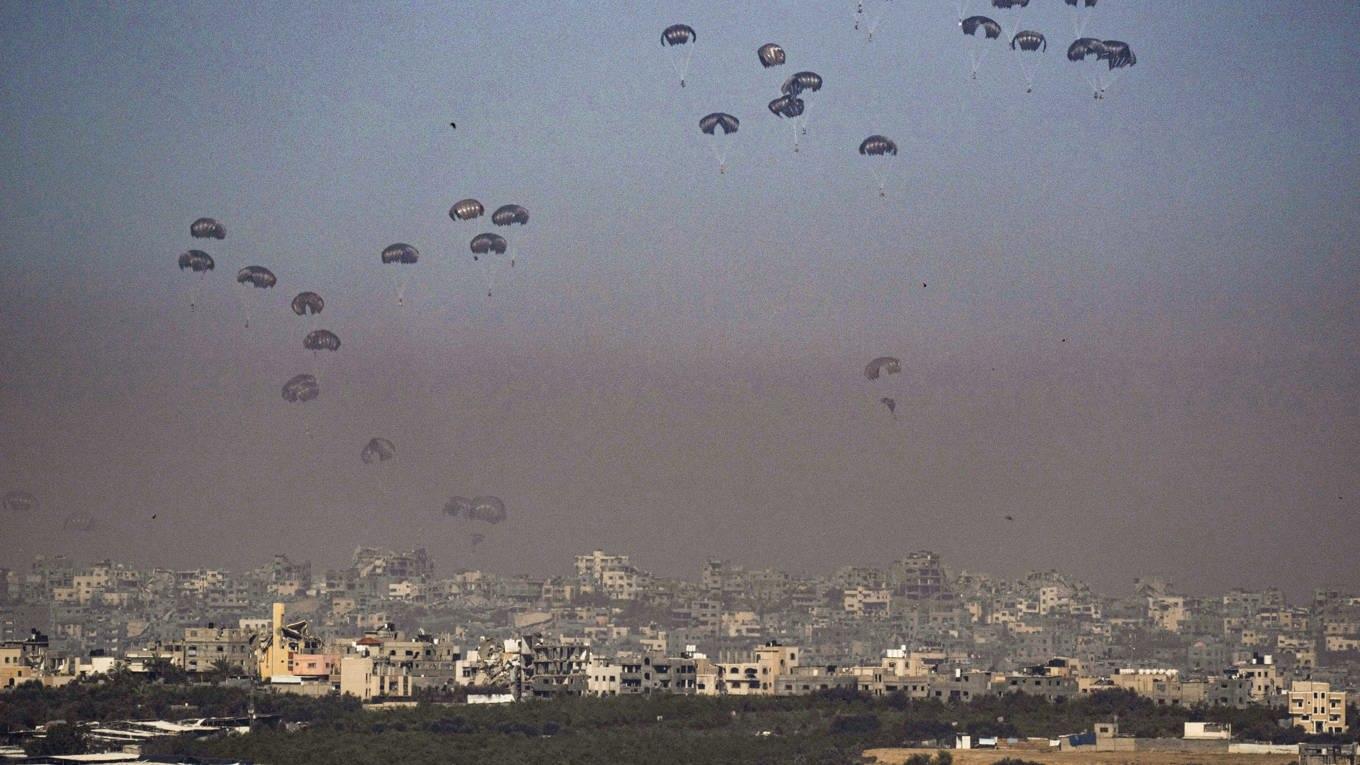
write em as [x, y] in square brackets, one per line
[684, 69]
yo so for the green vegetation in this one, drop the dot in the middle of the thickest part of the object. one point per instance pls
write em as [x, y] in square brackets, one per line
[832, 727]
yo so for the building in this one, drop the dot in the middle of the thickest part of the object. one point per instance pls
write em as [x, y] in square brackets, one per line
[1316, 708]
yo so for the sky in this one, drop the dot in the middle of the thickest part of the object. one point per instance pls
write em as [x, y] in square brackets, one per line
[1129, 324]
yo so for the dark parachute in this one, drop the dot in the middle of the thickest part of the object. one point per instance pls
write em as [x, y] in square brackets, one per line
[377, 450]
[508, 214]
[882, 365]
[1086, 46]
[20, 501]
[972, 24]
[770, 55]
[1087, 3]
[207, 228]
[308, 302]
[678, 34]
[712, 122]
[457, 506]
[400, 253]
[256, 276]
[466, 209]
[1119, 54]
[1010, 3]
[321, 340]
[1029, 40]
[488, 509]
[301, 388]
[787, 106]
[483, 244]
[877, 146]
[197, 261]
[801, 81]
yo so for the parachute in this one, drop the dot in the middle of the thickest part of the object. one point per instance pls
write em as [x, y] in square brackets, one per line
[377, 450]
[457, 506]
[676, 35]
[1116, 54]
[488, 509]
[17, 501]
[878, 146]
[466, 209]
[256, 276]
[197, 261]
[1087, 3]
[321, 340]
[770, 55]
[1010, 3]
[786, 106]
[712, 122]
[709, 125]
[400, 253]
[972, 24]
[1028, 41]
[1086, 46]
[891, 403]
[207, 228]
[976, 47]
[801, 81]
[508, 214]
[882, 365]
[483, 244]
[1119, 54]
[300, 388]
[307, 302]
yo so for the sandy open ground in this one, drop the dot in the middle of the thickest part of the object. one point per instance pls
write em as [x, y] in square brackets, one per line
[987, 757]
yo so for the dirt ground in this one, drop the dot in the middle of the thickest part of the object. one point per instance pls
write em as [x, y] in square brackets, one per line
[987, 757]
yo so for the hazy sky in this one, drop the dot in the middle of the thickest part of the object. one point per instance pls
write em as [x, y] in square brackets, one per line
[673, 368]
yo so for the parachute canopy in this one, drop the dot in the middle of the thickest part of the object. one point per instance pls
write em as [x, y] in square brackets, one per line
[1087, 3]
[1029, 40]
[508, 214]
[877, 146]
[678, 34]
[196, 260]
[256, 276]
[787, 106]
[488, 509]
[466, 209]
[1086, 46]
[400, 253]
[307, 302]
[972, 24]
[1010, 3]
[301, 388]
[20, 501]
[457, 506]
[801, 81]
[207, 228]
[377, 450]
[488, 243]
[770, 55]
[712, 122]
[1119, 54]
[321, 340]
[882, 365]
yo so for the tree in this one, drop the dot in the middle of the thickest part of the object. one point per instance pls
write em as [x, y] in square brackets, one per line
[60, 739]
